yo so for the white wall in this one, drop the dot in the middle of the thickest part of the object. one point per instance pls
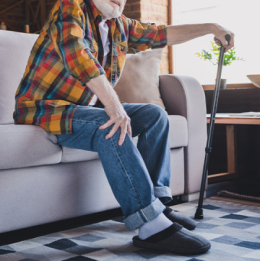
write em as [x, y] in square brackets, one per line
[241, 17]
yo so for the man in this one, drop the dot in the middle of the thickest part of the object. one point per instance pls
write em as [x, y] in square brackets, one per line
[67, 89]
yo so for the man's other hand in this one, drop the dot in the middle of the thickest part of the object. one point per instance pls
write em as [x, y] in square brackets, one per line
[220, 33]
[119, 117]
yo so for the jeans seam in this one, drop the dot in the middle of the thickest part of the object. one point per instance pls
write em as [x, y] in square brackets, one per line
[141, 216]
[140, 125]
[125, 171]
[144, 214]
[145, 149]
[145, 142]
[88, 121]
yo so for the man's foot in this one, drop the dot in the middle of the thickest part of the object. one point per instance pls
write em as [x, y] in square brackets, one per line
[185, 221]
[175, 239]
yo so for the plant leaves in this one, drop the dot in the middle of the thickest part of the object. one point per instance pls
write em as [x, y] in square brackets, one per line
[228, 57]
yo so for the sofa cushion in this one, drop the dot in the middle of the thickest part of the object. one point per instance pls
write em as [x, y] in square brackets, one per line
[15, 49]
[178, 137]
[178, 132]
[139, 82]
[27, 145]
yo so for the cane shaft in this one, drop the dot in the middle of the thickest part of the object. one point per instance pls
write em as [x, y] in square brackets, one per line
[199, 212]
[211, 125]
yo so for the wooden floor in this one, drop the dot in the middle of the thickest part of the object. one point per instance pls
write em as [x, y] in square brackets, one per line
[245, 202]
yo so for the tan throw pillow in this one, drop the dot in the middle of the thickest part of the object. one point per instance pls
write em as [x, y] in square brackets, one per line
[139, 81]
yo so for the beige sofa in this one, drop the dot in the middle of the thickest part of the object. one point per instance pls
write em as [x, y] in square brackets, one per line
[42, 182]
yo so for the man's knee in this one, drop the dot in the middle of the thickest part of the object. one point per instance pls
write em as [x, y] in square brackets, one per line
[102, 133]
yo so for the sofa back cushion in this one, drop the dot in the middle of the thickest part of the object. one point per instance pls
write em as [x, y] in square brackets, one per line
[15, 50]
[139, 82]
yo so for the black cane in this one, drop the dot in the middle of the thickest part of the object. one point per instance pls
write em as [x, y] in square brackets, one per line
[199, 211]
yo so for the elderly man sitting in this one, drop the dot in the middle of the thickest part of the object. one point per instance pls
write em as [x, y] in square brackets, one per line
[67, 89]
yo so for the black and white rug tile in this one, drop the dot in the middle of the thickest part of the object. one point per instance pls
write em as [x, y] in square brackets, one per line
[233, 230]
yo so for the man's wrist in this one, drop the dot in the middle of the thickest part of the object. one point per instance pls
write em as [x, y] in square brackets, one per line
[212, 27]
[114, 101]
[103, 89]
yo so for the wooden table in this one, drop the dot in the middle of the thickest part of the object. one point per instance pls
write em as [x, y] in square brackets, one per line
[222, 118]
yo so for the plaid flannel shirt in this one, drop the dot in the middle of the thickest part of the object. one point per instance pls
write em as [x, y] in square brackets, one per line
[67, 54]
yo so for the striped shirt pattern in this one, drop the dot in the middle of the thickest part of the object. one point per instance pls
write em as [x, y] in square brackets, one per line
[67, 54]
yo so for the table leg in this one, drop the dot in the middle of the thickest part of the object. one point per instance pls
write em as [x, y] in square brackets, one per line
[231, 158]
[231, 148]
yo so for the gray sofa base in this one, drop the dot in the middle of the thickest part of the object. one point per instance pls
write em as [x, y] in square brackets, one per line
[43, 194]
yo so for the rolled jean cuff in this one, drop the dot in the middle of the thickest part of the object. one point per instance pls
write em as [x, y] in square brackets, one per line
[144, 215]
[160, 192]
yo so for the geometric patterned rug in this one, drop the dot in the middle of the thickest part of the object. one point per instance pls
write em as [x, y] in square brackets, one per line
[233, 230]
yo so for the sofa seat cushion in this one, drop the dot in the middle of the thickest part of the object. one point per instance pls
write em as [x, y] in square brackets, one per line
[178, 137]
[26, 146]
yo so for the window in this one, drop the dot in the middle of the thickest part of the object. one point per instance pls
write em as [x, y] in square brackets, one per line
[241, 17]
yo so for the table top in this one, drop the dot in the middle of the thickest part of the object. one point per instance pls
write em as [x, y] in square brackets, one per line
[224, 118]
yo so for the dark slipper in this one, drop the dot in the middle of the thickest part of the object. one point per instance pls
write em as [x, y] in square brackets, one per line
[175, 239]
[185, 221]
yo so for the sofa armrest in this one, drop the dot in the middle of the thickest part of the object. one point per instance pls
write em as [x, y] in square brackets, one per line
[183, 95]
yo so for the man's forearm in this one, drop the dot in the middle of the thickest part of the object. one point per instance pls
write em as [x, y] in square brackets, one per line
[103, 89]
[177, 34]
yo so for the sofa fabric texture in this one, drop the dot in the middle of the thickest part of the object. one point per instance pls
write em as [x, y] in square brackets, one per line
[26, 146]
[49, 193]
[183, 95]
[15, 50]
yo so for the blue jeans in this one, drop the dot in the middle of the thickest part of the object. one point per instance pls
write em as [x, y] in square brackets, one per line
[138, 176]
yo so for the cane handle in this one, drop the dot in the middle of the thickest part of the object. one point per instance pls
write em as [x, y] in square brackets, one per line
[227, 37]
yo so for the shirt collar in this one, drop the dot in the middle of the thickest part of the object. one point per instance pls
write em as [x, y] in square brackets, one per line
[96, 13]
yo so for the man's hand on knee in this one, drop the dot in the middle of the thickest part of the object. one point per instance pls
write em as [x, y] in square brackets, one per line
[119, 118]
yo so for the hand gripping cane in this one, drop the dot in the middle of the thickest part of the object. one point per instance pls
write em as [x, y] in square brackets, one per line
[199, 211]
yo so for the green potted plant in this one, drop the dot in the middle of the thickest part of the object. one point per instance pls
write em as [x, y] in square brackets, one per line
[213, 57]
